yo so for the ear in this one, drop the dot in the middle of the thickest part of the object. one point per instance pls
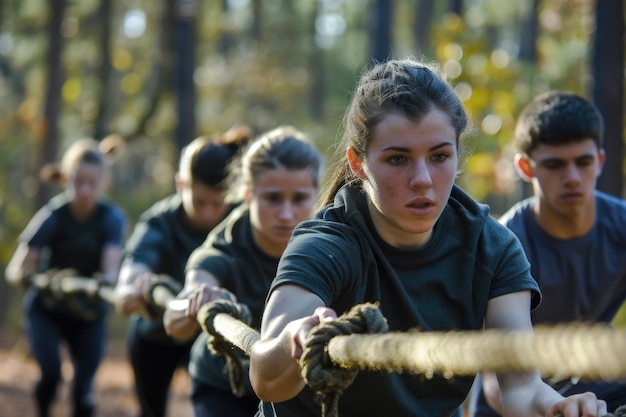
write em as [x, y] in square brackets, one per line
[601, 159]
[179, 183]
[247, 195]
[356, 165]
[524, 167]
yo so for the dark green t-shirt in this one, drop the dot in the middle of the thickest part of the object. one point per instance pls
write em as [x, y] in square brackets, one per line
[445, 285]
[231, 255]
[162, 239]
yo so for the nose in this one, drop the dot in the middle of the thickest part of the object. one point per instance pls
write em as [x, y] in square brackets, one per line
[572, 175]
[420, 175]
[286, 211]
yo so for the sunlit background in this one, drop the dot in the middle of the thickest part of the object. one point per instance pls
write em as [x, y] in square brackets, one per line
[160, 72]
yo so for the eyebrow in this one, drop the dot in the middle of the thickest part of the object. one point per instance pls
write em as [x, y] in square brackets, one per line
[577, 158]
[403, 149]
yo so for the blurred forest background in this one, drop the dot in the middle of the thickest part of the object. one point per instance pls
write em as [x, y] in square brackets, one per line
[161, 72]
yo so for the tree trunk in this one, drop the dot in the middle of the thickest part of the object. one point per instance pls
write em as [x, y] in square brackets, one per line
[380, 30]
[317, 91]
[456, 7]
[185, 65]
[608, 89]
[422, 26]
[104, 108]
[52, 105]
[528, 35]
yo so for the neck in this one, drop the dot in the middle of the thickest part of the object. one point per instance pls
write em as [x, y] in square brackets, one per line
[270, 248]
[576, 223]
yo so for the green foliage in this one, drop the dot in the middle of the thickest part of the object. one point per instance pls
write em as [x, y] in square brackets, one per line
[264, 79]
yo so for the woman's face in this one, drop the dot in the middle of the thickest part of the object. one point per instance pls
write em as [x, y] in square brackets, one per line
[279, 200]
[408, 175]
[203, 205]
[85, 185]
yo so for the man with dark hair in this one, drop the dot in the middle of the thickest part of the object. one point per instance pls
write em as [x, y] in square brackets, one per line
[574, 235]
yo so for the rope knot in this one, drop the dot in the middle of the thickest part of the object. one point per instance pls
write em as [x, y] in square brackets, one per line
[153, 308]
[217, 344]
[317, 369]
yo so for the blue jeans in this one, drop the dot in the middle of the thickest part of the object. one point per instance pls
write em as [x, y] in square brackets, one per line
[46, 330]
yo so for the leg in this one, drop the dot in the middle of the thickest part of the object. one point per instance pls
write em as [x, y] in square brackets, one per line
[154, 364]
[213, 402]
[44, 335]
[86, 342]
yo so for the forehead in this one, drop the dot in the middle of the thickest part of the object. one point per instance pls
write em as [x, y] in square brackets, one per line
[199, 190]
[395, 129]
[284, 179]
[570, 150]
[86, 169]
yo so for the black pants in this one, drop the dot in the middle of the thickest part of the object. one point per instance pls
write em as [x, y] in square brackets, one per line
[46, 330]
[213, 402]
[154, 363]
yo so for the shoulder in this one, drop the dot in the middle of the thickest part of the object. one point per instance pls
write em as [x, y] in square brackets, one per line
[608, 204]
[515, 218]
[56, 203]
[162, 208]
[611, 213]
[113, 213]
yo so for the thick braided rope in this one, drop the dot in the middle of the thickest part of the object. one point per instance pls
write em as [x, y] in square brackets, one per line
[317, 369]
[156, 304]
[219, 340]
[588, 351]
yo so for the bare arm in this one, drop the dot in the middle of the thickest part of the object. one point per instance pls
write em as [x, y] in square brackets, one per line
[23, 262]
[526, 394]
[133, 282]
[110, 263]
[179, 319]
[289, 316]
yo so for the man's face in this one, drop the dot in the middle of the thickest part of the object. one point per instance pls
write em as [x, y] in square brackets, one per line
[564, 176]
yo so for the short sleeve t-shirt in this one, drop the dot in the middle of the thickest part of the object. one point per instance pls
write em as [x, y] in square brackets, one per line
[445, 285]
[73, 243]
[162, 240]
[581, 279]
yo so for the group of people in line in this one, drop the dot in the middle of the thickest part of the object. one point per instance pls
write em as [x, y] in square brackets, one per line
[250, 221]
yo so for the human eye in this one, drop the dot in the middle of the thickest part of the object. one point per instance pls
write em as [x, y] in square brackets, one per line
[301, 197]
[584, 162]
[274, 198]
[396, 159]
[440, 156]
[553, 164]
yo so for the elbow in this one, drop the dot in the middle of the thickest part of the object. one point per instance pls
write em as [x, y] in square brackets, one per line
[270, 383]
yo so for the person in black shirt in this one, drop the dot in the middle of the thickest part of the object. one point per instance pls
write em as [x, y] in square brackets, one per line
[156, 253]
[77, 233]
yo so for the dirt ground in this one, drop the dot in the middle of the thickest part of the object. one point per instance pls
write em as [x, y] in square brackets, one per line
[114, 394]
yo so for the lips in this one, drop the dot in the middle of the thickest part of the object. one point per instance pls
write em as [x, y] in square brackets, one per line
[421, 206]
[572, 197]
[284, 229]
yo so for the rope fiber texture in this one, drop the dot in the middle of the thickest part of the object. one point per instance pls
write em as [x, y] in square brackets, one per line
[233, 322]
[318, 371]
[359, 340]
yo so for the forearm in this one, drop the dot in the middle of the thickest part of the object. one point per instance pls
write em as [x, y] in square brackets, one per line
[274, 373]
[179, 319]
[178, 325]
[526, 395]
[111, 261]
